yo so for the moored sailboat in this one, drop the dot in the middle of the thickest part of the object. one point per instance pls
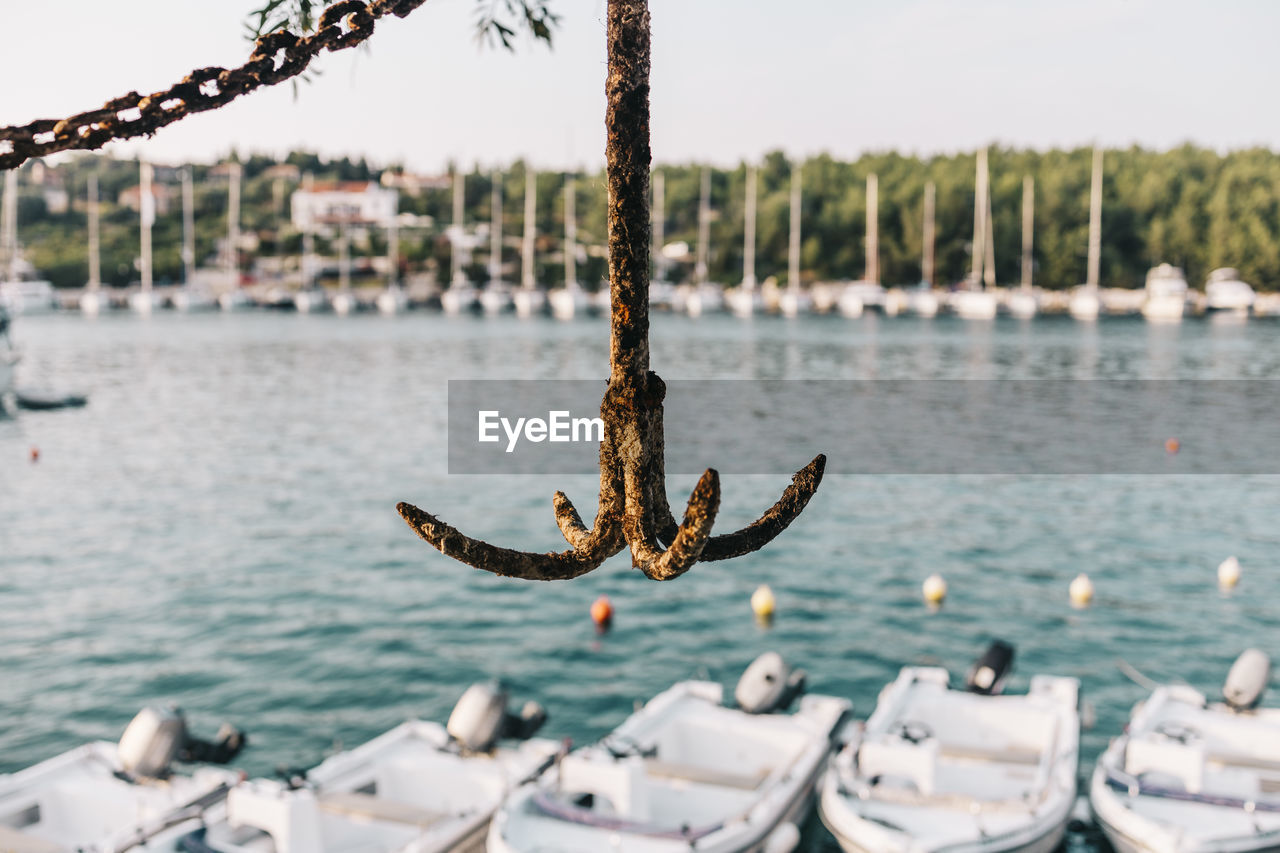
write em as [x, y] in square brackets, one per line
[977, 301]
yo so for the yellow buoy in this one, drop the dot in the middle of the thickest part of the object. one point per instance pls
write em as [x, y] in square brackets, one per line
[763, 602]
[1229, 573]
[1081, 590]
[934, 589]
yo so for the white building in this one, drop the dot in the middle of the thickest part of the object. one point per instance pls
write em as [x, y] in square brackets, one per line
[357, 203]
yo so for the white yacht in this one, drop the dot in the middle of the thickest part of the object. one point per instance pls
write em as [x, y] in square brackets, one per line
[939, 769]
[1166, 294]
[459, 297]
[419, 788]
[1224, 291]
[1190, 776]
[107, 798]
[923, 302]
[685, 772]
[392, 300]
[23, 293]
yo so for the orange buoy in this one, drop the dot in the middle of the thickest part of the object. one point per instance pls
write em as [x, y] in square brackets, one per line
[602, 613]
[1172, 446]
[35, 454]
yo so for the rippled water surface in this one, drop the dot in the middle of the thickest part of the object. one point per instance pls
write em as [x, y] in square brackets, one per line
[217, 528]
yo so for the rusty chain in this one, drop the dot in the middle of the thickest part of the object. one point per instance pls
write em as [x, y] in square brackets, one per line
[276, 57]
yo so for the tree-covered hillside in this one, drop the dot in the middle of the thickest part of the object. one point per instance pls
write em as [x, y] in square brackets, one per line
[1189, 206]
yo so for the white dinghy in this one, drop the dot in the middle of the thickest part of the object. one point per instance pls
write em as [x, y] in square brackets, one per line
[1192, 777]
[419, 788]
[966, 771]
[108, 798]
[685, 773]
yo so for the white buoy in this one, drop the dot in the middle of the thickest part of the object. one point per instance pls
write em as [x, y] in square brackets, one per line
[1229, 573]
[1081, 590]
[763, 602]
[934, 589]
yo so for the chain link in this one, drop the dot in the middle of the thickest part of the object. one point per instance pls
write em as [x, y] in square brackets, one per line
[276, 57]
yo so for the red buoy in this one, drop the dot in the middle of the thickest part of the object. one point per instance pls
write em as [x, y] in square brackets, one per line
[602, 613]
[1172, 446]
[35, 454]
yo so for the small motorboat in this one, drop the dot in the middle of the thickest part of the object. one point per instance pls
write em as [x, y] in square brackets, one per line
[1224, 291]
[108, 798]
[44, 399]
[686, 772]
[1188, 776]
[971, 770]
[1166, 294]
[419, 788]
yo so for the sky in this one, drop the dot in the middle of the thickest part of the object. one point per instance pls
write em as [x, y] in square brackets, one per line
[732, 79]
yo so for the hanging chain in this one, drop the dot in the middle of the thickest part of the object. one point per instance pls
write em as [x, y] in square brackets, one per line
[276, 57]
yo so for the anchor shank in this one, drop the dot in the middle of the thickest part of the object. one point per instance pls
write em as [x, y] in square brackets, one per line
[628, 156]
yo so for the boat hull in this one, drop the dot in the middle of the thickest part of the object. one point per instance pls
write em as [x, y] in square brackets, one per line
[714, 779]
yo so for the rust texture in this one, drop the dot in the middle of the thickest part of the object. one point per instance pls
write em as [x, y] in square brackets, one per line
[633, 509]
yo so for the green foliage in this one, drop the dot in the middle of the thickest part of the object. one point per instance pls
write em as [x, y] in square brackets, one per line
[1189, 206]
[497, 21]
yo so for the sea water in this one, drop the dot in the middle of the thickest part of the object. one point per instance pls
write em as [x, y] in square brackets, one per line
[218, 529]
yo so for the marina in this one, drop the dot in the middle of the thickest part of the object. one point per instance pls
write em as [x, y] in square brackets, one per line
[823, 453]
[321, 619]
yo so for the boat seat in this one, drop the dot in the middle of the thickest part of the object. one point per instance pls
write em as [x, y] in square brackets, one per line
[1023, 756]
[371, 807]
[705, 775]
[15, 841]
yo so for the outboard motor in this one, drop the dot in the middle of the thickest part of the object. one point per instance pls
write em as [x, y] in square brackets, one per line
[768, 685]
[1247, 680]
[988, 673]
[151, 742]
[480, 719]
[157, 737]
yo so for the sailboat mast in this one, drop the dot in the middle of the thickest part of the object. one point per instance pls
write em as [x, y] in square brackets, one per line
[873, 229]
[704, 228]
[146, 209]
[456, 275]
[979, 218]
[188, 227]
[393, 246]
[233, 226]
[1028, 225]
[308, 239]
[344, 255]
[95, 254]
[528, 245]
[495, 227]
[749, 234]
[570, 234]
[989, 256]
[926, 262]
[9, 226]
[1095, 222]
[793, 245]
[659, 225]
